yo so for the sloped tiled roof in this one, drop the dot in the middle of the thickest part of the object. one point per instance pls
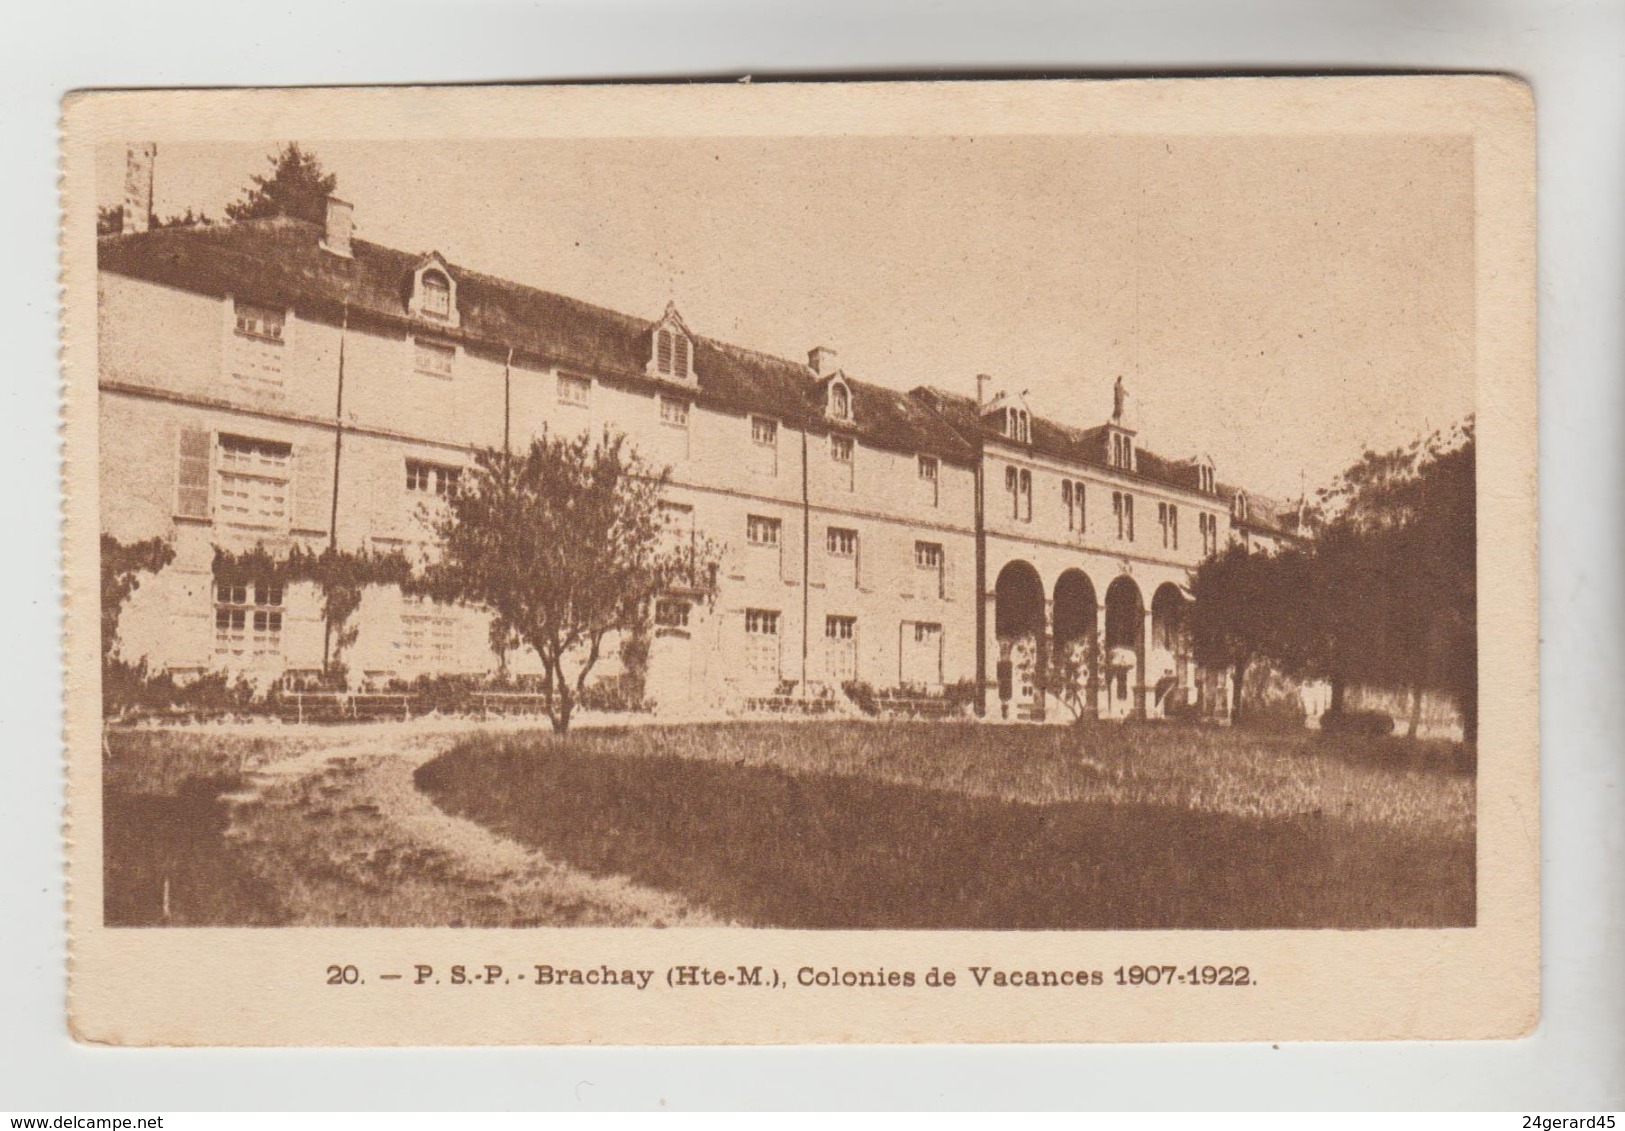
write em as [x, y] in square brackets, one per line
[280, 261]
[1090, 446]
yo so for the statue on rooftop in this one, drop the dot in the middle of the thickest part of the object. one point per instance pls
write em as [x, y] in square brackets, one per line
[1119, 400]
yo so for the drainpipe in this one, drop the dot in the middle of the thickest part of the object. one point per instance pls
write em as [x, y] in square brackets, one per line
[338, 456]
[981, 592]
[507, 403]
[806, 550]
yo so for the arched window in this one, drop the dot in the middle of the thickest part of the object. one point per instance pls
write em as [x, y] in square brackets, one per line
[1018, 425]
[1238, 506]
[840, 401]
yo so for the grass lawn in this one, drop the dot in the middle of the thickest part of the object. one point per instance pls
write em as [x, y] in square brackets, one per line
[965, 826]
[163, 826]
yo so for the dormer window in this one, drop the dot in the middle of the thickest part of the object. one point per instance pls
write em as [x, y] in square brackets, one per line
[1204, 479]
[671, 349]
[840, 401]
[436, 295]
[1018, 425]
[1238, 506]
[1122, 453]
[434, 292]
[672, 354]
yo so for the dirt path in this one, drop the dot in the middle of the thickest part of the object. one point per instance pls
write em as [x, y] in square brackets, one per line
[345, 838]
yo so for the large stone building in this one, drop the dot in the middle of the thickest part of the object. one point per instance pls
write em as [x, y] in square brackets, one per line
[278, 382]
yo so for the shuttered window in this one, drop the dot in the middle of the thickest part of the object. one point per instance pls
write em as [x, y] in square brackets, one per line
[192, 473]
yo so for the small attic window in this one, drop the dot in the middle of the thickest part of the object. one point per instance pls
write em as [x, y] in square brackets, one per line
[1122, 451]
[673, 354]
[436, 295]
[1018, 425]
[434, 292]
[1238, 506]
[1204, 479]
[840, 401]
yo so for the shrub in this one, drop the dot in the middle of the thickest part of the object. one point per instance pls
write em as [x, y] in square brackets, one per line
[862, 696]
[130, 692]
[1276, 715]
[616, 693]
[1367, 723]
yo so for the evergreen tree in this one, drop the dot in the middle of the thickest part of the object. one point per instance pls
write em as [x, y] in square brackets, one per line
[296, 186]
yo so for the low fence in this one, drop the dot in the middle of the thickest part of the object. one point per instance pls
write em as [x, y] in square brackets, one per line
[343, 706]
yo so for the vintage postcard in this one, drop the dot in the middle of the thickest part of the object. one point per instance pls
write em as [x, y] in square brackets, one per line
[969, 561]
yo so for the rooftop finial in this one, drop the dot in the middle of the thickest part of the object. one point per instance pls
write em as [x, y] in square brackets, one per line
[1119, 400]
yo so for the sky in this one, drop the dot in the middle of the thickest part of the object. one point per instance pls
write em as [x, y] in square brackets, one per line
[1278, 303]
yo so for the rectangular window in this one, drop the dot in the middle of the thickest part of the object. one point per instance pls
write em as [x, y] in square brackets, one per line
[253, 482]
[433, 358]
[764, 431]
[1173, 526]
[841, 450]
[672, 613]
[674, 412]
[263, 322]
[841, 543]
[1025, 496]
[1123, 510]
[762, 643]
[761, 531]
[1072, 498]
[930, 474]
[841, 649]
[428, 635]
[431, 478]
[248, 620]
[921, 660]
[574, 391]
[928, 557]
[436, 295]
[1012, 485]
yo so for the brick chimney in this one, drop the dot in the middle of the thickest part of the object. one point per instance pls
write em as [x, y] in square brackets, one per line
[138, 173]
[982, 382]
[822, 361]
[340, 220]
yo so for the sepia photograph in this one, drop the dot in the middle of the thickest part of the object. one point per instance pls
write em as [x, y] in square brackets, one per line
[946, 531]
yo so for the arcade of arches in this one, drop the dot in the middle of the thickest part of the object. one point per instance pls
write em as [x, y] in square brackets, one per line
[1111, 658]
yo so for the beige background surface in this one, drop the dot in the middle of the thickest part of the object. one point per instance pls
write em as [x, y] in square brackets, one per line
[142, 986]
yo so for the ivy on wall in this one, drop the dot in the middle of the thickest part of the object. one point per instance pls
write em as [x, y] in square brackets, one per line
[340, 576]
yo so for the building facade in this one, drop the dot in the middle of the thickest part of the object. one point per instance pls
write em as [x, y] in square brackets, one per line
[280, 383]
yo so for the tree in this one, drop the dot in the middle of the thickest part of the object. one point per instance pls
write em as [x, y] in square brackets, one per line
[1398, 575]
[110, 220]
[296, 186]
[564, 544]
[1235, 613]
[1068, 676]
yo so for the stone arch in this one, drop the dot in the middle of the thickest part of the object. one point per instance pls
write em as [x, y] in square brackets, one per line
[1125, 649]
[1077, 630]
[1021, 632]
[1170, 650]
